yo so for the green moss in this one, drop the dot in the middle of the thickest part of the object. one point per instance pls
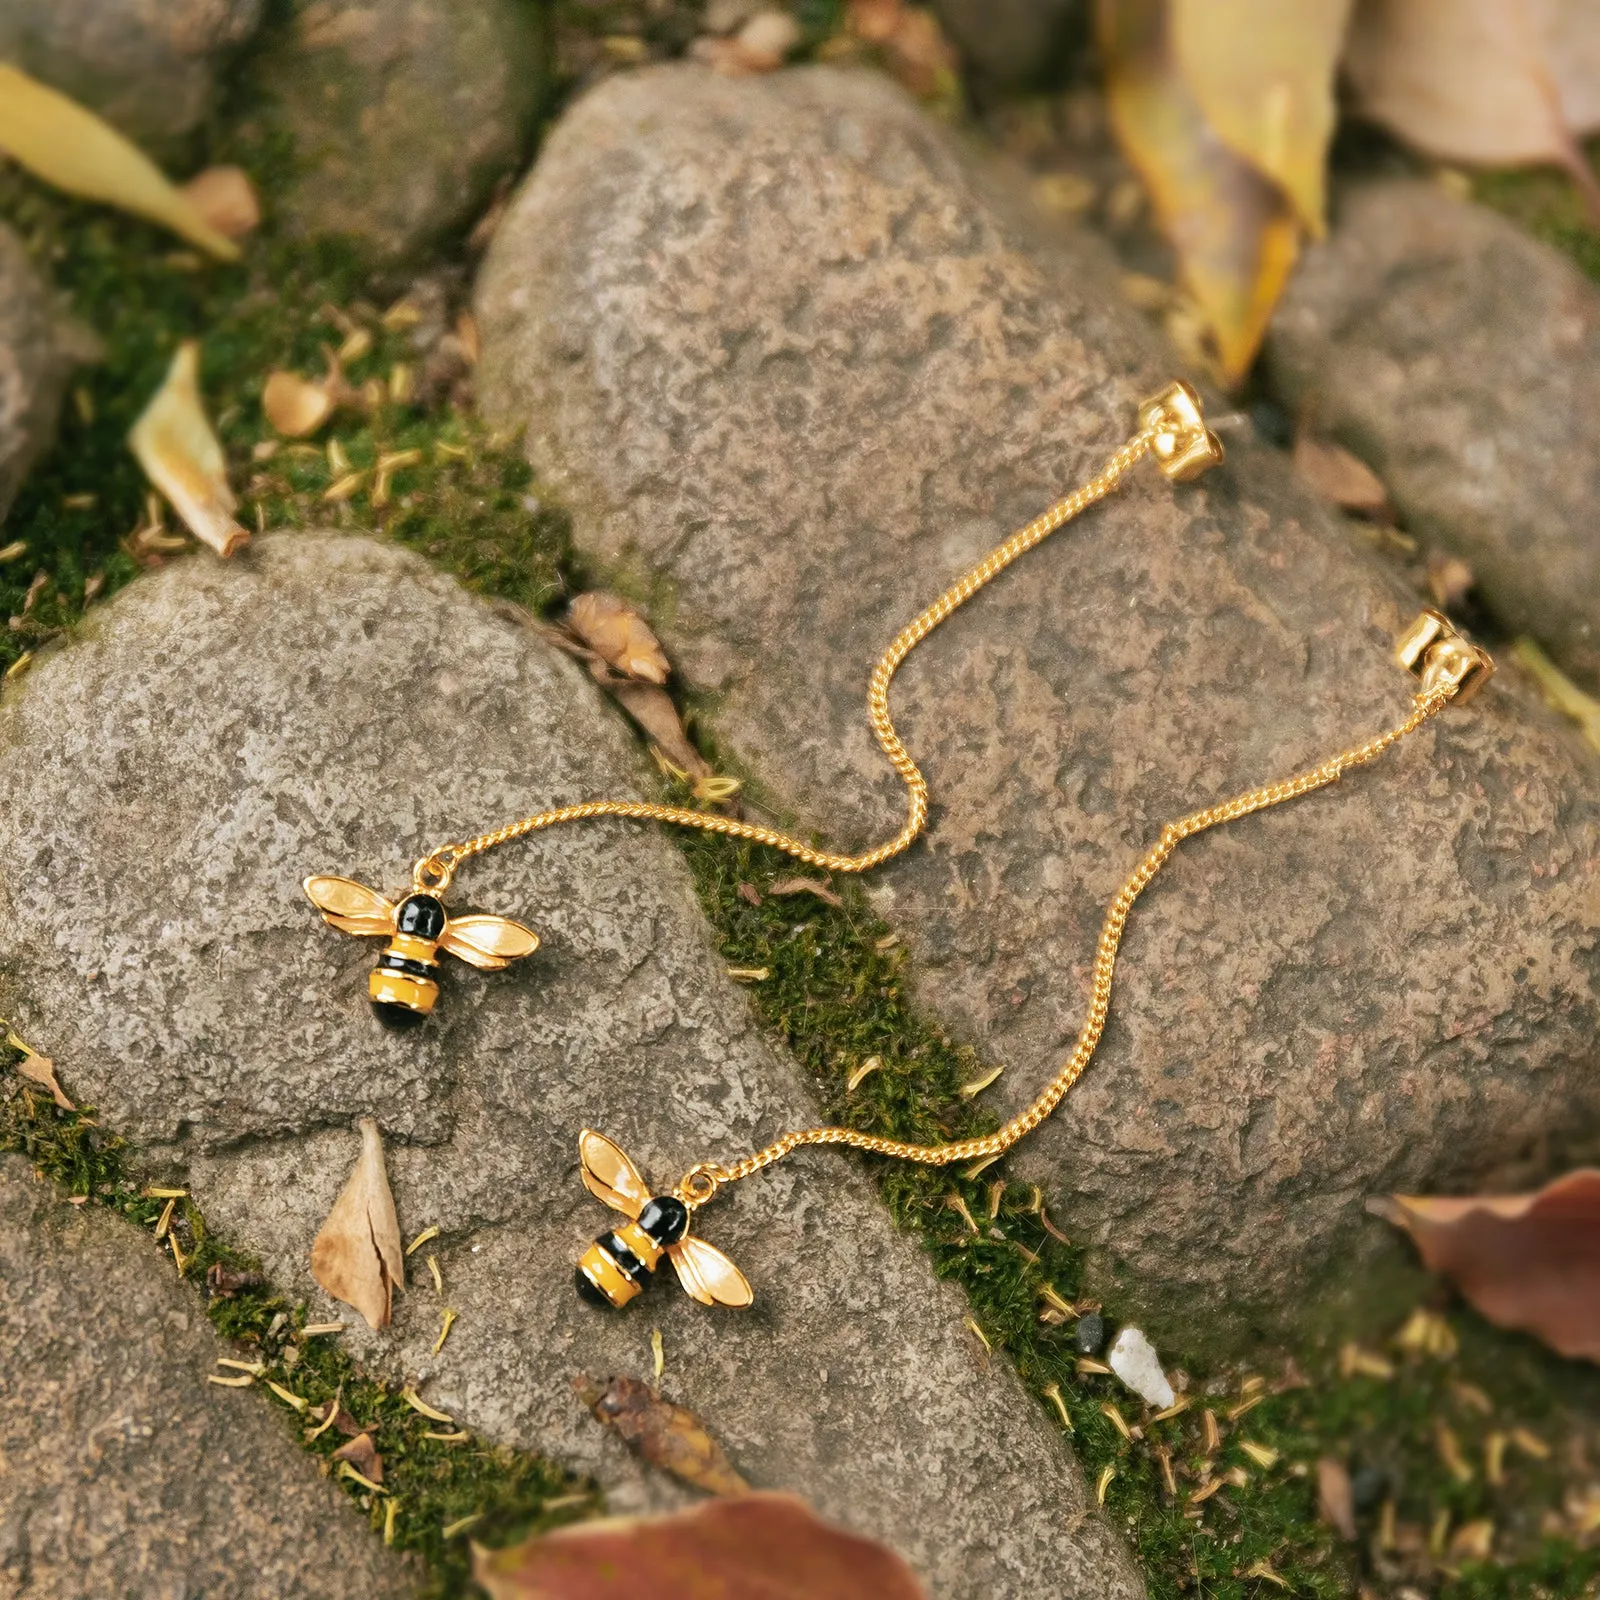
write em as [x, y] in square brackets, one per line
[1550, 206]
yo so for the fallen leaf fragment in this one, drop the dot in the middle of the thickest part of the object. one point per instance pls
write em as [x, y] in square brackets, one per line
[362, 1454]
[761, 45]
[1450, 580]
[786, 886]
[1495, 81]
[1525, 1261]
[57, 140]
[1337, 475]
[1234, 230]
[295, 406]
[40, 1070]
[1262, 73]
[357, 1257]
[771, 1546]
[226, 199]
[914, 47]
[619, 636]
[1336, 1498]
[183, 459]
[657, 717]
[1559, 691]
[668, 1436]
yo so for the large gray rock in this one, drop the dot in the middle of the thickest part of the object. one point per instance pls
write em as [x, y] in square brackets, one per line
[148, 66]
[403, 112]
[331, 704]
[1461, 358]
[124, 1473]
[794, 373]
[33, 369]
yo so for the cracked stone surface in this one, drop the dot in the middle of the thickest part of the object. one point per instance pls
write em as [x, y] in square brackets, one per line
[122, 1472]
[33, 371]
[1461, 358]
[794, 368]
[331, 704]
[403, 112]
[148, 68]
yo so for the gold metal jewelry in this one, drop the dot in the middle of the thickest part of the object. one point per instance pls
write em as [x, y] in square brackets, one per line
[1446, 666]
[1172, 431]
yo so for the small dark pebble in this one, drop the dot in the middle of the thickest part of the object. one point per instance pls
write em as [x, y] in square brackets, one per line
[1368, 1486]
[1090, 1333]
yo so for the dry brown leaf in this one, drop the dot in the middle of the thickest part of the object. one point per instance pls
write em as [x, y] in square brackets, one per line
[182, 457]
[1337, 475]
[1262, 73]
[653, 710]
[1526, 1261]
[358, 1257]
[58, 140]
[362, 1454]
[761, 45]
[667, 1436]
[1450, 580]
[914, 46]
[295, 406]
[40, 1070]
[1335, 1498]
[1481, 80]
[619, 636]
[805, 886]
[1234, 231]
[757, 1547]
[227, 200]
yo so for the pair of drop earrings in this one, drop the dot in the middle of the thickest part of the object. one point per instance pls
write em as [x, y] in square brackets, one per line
[403, 986]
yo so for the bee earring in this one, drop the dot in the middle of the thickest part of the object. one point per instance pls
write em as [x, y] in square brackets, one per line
[616, 1266]
[403, 987]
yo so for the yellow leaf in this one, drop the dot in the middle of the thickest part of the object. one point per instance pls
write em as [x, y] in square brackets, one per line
[182, 457]
[1480, 80]
[57, 140]
[1262, 74]
[1234, 232]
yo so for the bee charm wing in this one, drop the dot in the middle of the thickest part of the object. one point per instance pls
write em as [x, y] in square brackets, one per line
[709, 1276]
[609, 1175]
[488, 942]
[350, 906]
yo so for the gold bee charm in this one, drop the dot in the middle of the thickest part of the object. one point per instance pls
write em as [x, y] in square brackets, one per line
[402, 987]
[618, 1265]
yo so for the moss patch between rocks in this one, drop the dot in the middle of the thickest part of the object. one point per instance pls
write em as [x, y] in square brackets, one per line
[1419, 1439]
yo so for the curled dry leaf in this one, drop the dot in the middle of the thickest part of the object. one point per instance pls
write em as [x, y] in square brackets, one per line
[1336, 1498]
[619, 636]
[358, 1257]
[914, 46]
[1234, 230]
[816, 886]
[59, 141]
[362, 1454]
[182, 457]
[1481, 80]
[667, 1436]
[758, 1547]
[227, 199]
[1262, 74]
[295, 406]
[40, 1070]
[1526, 1261]
[1337, 475]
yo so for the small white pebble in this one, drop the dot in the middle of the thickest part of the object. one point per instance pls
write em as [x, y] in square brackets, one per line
[1133, 1358]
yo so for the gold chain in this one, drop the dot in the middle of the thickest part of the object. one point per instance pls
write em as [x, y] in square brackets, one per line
[703, 1181]
[435, 871]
